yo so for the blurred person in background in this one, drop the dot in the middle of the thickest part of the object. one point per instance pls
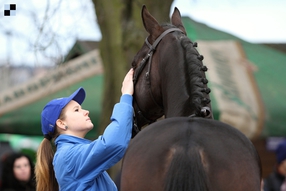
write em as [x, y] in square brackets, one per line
[17, 173]
[276, 180]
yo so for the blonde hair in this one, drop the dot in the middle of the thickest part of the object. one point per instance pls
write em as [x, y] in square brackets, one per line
[44, 170]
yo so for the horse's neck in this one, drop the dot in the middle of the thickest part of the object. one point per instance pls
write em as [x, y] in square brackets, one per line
[181, 81]
[178, 104]
[175, 94]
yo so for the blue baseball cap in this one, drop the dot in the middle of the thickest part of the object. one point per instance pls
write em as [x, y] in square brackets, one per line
[281, 152]
[53, 109]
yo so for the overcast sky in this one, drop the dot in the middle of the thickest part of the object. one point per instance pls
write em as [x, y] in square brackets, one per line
[257, 21]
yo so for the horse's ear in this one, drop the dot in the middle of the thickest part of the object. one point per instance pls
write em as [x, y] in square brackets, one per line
[150, 23]
[177, 21]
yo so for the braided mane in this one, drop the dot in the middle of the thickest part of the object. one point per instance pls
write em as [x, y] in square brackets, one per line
[196, 76]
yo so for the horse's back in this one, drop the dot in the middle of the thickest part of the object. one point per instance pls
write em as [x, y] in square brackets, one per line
[190, 154]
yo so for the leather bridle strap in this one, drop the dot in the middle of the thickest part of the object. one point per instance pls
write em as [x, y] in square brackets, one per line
[155, 44]
[152, 48]
[142, 65]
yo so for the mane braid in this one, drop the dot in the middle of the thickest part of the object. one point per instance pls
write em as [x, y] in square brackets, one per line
[196, 76]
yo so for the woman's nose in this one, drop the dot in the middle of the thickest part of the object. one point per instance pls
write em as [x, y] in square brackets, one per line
[86, 112]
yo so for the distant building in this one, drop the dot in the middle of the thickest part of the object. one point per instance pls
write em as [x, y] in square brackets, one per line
[79, 48]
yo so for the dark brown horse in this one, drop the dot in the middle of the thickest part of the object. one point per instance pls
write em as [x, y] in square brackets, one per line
[187, 151]
[169, 74]
[190, 154]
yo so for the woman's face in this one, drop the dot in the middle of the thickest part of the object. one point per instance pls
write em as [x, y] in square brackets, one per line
[22, 169]
[77, 119]
[282, 167]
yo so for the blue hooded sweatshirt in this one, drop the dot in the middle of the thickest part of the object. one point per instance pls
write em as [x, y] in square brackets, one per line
[81, 164]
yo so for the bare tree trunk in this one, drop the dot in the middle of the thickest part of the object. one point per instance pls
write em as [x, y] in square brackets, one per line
[122, 36]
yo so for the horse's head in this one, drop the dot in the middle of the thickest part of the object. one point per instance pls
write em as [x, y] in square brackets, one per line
[169, 75]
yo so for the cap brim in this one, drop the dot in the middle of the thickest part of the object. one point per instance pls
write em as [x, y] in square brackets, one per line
[78, 96]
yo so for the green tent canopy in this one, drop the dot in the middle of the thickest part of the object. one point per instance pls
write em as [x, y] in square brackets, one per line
[269, 77]
[27, 120]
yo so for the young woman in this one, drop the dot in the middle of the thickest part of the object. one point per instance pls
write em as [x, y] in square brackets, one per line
[17, 173]
[79, 164]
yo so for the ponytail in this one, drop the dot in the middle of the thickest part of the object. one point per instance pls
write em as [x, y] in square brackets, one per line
[44, 171]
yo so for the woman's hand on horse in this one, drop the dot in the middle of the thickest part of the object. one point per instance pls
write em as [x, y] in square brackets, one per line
[127, 84]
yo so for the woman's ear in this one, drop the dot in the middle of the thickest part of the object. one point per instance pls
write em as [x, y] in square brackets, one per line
[60, 124]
